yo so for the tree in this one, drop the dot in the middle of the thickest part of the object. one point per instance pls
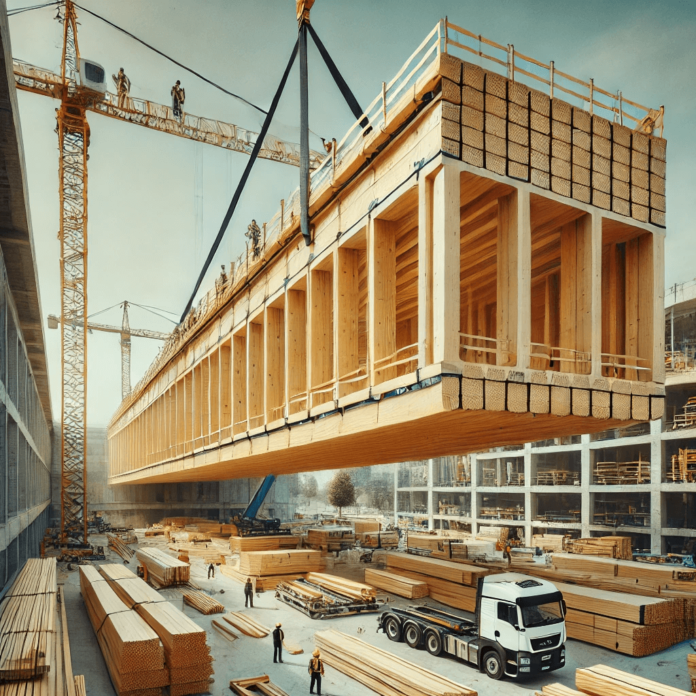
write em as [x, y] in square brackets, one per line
[310, 487]
[341, 491]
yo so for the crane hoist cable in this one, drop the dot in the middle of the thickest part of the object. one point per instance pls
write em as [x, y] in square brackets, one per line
[348, 95]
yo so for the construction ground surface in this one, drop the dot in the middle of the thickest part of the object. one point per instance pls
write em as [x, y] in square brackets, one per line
[249, 657]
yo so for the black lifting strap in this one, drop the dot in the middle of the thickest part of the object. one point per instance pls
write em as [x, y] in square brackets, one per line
[240, 187]
[338, 78]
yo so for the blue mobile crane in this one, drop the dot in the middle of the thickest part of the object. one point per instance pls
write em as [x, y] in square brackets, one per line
[248, 524]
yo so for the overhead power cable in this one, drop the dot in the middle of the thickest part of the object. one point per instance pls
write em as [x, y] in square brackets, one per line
[19, 10]
[242, 182]
[169, 58]
[147, 309]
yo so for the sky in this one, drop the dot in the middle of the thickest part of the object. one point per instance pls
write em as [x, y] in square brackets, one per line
[156, 201]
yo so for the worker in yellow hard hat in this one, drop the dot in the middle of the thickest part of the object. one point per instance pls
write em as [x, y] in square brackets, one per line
[316, 671]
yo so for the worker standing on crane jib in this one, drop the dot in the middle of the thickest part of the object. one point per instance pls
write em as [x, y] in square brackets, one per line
[178, 99]
[123, 86]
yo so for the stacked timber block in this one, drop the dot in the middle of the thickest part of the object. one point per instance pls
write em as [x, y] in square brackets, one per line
[186, 651]
[330, 538]
[550, 543]
[378, 540]
[357, 591]
[262, 543]
[602, 680]
[396, 584]
[505, 127]
[28, 624]
[629, 624]
[187, 655]
[691, 666]
[381, 671]
[132, 650]
[449, 582]
[362, 526]
[279, 562]
[163, 569]
[608, 547]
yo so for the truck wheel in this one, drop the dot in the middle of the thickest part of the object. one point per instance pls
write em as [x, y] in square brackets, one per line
[392, 629]
[433, 643]
[412, 635]
[493, 665]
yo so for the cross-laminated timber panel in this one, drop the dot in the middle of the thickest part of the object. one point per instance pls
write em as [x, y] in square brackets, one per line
[442, 308]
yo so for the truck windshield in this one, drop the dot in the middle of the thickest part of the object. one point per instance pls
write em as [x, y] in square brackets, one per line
[542, 614]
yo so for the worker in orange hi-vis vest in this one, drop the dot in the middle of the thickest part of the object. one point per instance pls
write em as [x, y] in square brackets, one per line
[316, 671]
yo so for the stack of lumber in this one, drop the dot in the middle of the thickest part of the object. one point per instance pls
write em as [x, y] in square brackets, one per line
[376, 540]
[154, 532]
[362, 526]
[602, 680]
[208, 553]
[203, 603]
[550, 543]
[129, 588]
[212, 529]
[244, 623]
[164, 569]
[256, 685]
[608, 547]
[131, 649]
[28, 623]
[261, 583]
[381, 671]
[357, 591]
[186, 651]
[262, 543]
[117, 545]
[449, 582]
[80, 688]
[426, 542]
[691, 665]
[278, 562]
[396, 584]
[330, 538]
[225, 630]
[630, 624]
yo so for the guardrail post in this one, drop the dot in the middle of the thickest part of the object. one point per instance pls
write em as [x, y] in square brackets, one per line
[552, 75]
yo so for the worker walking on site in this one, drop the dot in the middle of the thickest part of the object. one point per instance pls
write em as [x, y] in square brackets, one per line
[123, 86]
[248, 593]
[278, 636]
[316, 671]
[211, 569]
[178, 99]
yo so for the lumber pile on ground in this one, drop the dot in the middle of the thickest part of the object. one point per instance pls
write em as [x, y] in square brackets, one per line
[550, 543]
[330, 538]
[381, 671]
[602, 680]
[425, 542]
[208, 554]
[262, 543]
[80, 688]
[244, 623]
[396, 584]
[357, 591]
[256, 685]
[28, 623]
[117, 545]
[378, 540]
[607, 547]
[129, 588]
[186, 651]
[131, 649]
[224, 630]
[280, 562]
[203, 602]
[206, 528]
[163, 569]
[629, 624]
[364, 526]
[261, 584]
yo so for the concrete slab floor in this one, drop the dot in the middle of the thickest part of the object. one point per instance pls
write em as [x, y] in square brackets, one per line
[247, 657]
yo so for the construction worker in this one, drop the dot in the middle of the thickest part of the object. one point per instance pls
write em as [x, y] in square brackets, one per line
[248, 593]
[278, 636]
[316, 671]
[178, 99]
[253, 234]
[211, 569]
[123, 86]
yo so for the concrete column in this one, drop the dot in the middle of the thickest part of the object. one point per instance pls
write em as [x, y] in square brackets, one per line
[396, 495]
[585, 481]
[474, 494]
[431, 501]
[656, 487]
[528, 527]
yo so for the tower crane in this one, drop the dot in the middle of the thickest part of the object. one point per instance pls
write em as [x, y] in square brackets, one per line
[81, 89]
[126, 332]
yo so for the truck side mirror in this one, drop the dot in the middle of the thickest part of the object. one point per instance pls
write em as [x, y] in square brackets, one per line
[565, 608]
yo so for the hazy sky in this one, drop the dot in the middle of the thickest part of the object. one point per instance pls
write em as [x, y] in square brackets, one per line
[156, 201]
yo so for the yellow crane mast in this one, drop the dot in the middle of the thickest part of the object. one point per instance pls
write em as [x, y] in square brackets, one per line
[81, 88]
